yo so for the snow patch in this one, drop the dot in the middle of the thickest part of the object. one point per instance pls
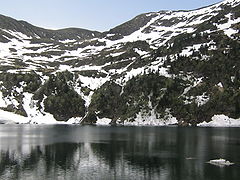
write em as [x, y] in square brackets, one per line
[116, 54]
[188, 51]
[221, 121]
[2, 102]
[140, 52]
[226, 27]
[67, 41]
[162, 71]
[150, 119]
[10, 118]
[16, 34]
[91, 82]
[220, 85]
[10, 100]
[202, 99]
[45, 118]
[74, 120]
[103, 121]
[35, 116]
[64, 67]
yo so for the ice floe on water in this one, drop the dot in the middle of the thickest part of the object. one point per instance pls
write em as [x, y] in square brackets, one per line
[221, 121]
[220, 162]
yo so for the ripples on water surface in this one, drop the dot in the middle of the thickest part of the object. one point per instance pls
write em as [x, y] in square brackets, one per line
[125, 153]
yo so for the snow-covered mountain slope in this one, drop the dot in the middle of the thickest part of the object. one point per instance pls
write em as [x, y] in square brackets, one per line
[37, 48]
[192, 53]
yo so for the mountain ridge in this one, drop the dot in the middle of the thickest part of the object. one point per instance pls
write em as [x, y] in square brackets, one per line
[34, 31]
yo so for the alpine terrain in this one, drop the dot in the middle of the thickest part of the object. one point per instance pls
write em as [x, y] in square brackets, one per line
[160, 68]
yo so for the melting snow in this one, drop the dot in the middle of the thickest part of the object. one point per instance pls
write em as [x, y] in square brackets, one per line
[144, 70]
[188, 51]
[158, 35]
[11, 118]
[227, 26]
[64, 67]
[201, 100]
[34, 115]
[103, 121]
[8, 117]
[91, 82]
[17, 35]
[2, 102]
[221, 121]
[67, 41]
[140, 52]
[150, 119]
[116, 54]
[220, 85]
[74, 120]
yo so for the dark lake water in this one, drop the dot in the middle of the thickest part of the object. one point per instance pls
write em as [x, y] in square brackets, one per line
[30, 152]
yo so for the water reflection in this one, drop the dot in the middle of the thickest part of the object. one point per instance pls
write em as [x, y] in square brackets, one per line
[88, 152]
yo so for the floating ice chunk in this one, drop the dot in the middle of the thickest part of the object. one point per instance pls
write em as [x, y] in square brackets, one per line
[220, 162]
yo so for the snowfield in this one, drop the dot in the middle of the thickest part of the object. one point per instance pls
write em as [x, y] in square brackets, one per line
[11, 118]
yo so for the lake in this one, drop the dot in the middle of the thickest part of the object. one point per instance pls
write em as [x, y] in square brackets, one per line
[43, 152]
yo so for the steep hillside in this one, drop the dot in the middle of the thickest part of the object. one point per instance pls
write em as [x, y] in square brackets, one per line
[166, 67]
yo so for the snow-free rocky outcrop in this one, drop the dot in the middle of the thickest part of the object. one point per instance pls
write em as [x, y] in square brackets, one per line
[160, 68]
